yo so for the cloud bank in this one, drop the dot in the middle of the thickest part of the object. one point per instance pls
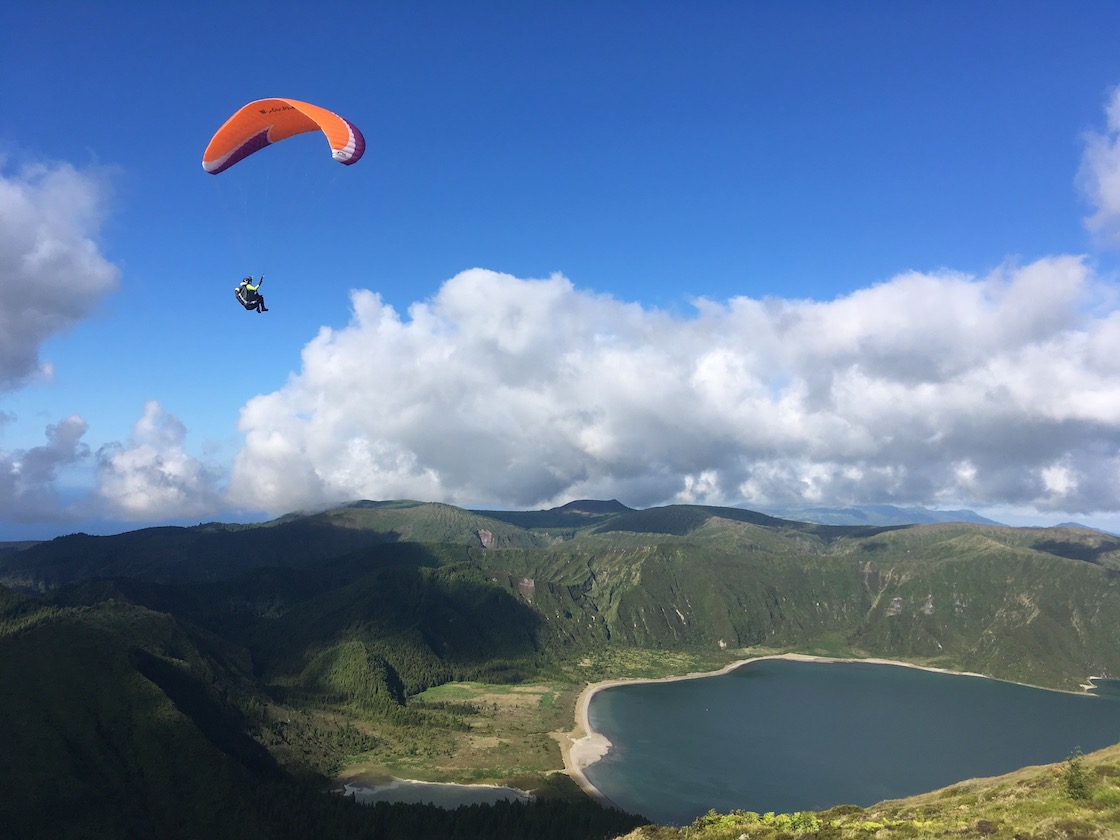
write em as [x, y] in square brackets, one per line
[29, 478]
[930, 389]
[152, 477]
[52, 274]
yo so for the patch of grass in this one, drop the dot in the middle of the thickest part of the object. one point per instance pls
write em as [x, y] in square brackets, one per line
[508, 735]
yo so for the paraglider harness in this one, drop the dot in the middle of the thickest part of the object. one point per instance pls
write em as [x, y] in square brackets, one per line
[247, 297]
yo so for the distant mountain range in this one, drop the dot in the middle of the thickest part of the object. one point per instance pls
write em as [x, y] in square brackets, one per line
[819, 514]
[875, 515]
[890, 515]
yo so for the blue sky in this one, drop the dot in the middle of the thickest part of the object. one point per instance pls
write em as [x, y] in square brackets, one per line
[749, 253]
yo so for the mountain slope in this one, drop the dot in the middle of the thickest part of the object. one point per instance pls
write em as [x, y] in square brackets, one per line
[111, 701]
[220, 552]
[1037, 605]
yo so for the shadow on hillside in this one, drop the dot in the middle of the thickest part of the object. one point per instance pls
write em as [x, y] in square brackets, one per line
[1078, 551]
[182, 555]
[223, 726]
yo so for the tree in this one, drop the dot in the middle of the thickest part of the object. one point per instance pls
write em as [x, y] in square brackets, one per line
[1074, 777]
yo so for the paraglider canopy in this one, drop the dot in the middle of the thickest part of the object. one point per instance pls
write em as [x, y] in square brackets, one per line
[267, 121]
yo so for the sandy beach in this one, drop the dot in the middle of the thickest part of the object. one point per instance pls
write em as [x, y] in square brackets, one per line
[583, 746]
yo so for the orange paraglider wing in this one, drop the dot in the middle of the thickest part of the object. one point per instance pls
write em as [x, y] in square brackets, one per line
[269, 121]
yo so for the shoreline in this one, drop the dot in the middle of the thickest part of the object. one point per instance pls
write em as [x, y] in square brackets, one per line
[582, 745]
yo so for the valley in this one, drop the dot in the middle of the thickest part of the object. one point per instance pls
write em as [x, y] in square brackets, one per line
[430, 642]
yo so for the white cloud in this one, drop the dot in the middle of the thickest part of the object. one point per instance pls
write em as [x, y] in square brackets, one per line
[931, 388]
[52, 274]
[1099, 175]
[152, 476]
[29, 478]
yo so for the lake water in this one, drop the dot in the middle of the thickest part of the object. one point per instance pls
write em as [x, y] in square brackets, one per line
[445, 795]
[781, 735]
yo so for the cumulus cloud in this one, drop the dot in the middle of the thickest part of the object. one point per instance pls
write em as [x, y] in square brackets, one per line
[52, 274]
[930, 389]
[1099, 175]
[152, 476]
[29, 478]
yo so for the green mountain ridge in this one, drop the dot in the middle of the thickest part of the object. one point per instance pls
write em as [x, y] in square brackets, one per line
[268, 656]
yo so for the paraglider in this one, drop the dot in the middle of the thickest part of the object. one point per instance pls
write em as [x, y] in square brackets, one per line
[249, 297]
[264, 122]
[267, 121]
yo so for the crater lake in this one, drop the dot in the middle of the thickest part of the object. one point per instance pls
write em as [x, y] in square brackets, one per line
[788, 735]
